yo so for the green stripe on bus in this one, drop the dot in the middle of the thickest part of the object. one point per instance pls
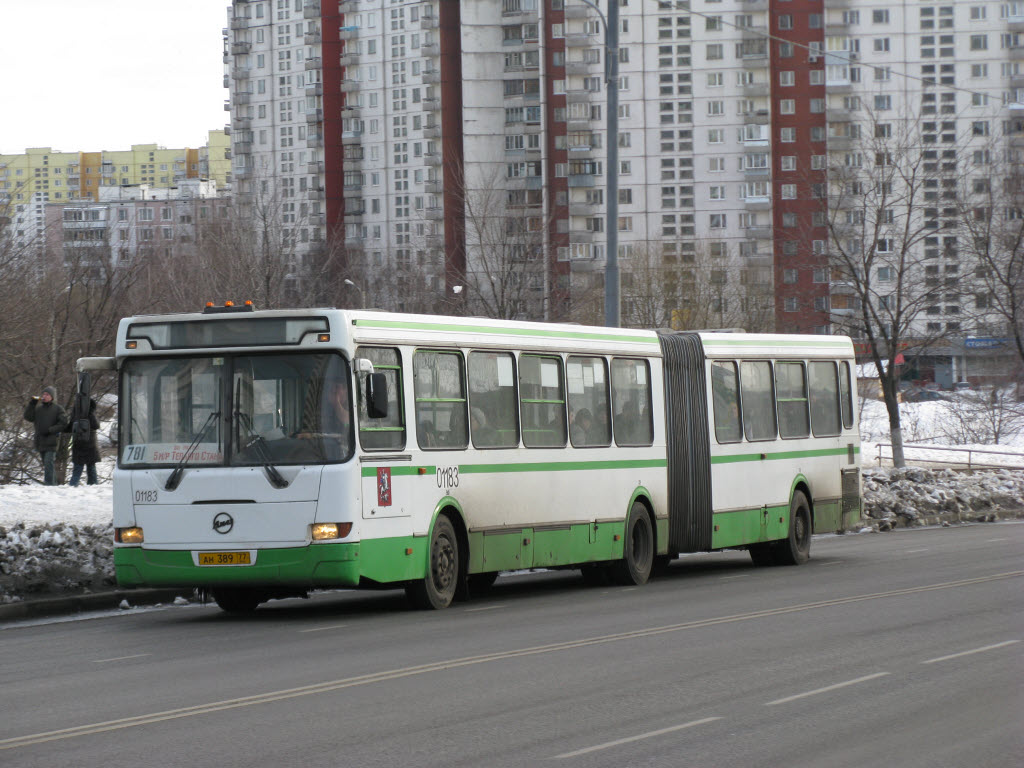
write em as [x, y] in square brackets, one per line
[427, 470]
[536, 466]
[782, 455]
[398, 324]
[771, 343]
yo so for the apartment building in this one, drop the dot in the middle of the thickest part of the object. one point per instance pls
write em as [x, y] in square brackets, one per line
[399, 129]
[29, 181]
[132, 220]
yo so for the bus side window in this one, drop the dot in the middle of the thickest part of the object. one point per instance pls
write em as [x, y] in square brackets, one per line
[824, 391]
[725, 393]
[492, 400]
[845, 395]
[758, 400]
[631, 402]
[542, 401]
[386, 434]
[791, 398]
[440, 391]
[587, 382]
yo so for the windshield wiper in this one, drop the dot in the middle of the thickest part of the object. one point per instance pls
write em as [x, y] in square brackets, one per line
[175, 476]
[258, 443]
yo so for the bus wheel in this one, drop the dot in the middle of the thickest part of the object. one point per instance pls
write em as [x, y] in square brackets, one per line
[638, 549]
[237, 601]
[437, 589]
[796, 549]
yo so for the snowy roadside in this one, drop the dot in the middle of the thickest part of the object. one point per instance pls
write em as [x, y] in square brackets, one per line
[58, 541]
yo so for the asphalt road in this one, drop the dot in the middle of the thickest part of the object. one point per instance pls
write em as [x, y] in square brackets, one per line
[900, 649]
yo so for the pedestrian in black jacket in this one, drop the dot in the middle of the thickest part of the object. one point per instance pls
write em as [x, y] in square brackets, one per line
[84, 450]
[50, 420]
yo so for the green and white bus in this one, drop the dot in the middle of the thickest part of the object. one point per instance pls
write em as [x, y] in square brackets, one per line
[477, 446]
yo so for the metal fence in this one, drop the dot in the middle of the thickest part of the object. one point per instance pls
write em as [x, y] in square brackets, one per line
[919, 454]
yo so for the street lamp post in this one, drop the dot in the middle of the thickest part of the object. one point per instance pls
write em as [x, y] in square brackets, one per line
[362, 298]
[612, 301]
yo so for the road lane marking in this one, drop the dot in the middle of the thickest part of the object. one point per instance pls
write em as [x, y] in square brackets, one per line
[448, 664]
[324, 629]
[827, 688]
[121, 658]
[484, 608]
[830, 562]
[1002, 538]
[915, 551]
[971, 652]
[638, 737]
[727, 578]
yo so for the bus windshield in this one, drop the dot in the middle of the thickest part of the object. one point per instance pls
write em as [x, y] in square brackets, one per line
[238, 410]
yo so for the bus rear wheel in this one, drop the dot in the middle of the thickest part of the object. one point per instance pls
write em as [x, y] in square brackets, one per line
[796, 548]
[236, 600]
[437, 589]
[638, 549]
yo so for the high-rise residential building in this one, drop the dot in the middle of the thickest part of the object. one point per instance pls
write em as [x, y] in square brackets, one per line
[404, 130]
[39, 176]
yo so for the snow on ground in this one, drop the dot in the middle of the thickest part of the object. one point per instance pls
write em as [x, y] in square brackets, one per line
[56, 540]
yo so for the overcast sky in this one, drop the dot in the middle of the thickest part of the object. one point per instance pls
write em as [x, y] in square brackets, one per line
[92, 75]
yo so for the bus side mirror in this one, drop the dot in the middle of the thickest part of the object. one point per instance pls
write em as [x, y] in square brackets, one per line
[376, 396]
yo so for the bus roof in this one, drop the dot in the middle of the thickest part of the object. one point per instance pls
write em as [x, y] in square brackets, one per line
[775, 345]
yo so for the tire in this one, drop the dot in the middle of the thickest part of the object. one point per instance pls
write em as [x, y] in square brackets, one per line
[237, 601]
[437, 589]
[638, 549]
[796, 548]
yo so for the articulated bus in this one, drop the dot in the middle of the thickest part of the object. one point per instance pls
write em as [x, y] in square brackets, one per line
[264, 454]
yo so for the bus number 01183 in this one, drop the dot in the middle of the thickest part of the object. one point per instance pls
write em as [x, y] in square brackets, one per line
[447, 477]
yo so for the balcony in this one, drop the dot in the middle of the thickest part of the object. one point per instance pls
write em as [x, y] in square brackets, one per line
[314, 141]
[242, 147]
[578, 97]
[354, 215]
[584, 209]
[242, 123]
[838, 115]
[432, 158]
[240, 73]
[432, 131]
[349, 58]
[837, 3]
[312, 38]
[1016, 54]
[758, 232]
[431, 105]
[311, 9]
[433, 214]
[582, 180]
[576, 10]
[429, 22]
[432, 76]
[578, 67]
[581, 40]
[756, 32]
[316, 193]
[433, 186]
[314, 63]
[351, 137]
[839, 143]
[227, 130]
[350, 86]
[240, 48]
[314, 89]
[353, 163]
[242, 97]
[227, 106]
[241, 173]
[755, 172]
[753, 90]
[239, 22]
[227, 81]
[584, 236]
[351, 110]
[758, 203]
[838, 86]
[315, 116]
[348, 6]
[431, 50]
[1015, 23]
[347, 33]
[316, 167]
[753, 6]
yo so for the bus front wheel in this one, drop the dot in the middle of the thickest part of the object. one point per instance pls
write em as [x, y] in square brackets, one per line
[437, 588]
[796, 548]
[638, 549]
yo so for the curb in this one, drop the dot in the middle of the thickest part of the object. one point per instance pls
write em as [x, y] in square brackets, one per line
[71, 604]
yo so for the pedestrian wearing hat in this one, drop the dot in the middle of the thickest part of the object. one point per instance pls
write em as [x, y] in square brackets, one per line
[50, 420]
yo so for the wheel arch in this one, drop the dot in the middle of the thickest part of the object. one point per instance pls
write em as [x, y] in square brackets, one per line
[450, 508]
[642, 495]
[802, 484]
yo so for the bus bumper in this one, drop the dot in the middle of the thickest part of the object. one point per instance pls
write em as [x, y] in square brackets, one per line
[313, 566]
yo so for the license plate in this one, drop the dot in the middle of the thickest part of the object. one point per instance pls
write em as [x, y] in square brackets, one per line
[224, 558]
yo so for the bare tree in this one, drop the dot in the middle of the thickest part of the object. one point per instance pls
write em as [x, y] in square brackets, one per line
[879, 219]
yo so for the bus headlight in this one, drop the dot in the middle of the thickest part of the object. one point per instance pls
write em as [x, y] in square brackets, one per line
[128, 535]
[325, 531]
